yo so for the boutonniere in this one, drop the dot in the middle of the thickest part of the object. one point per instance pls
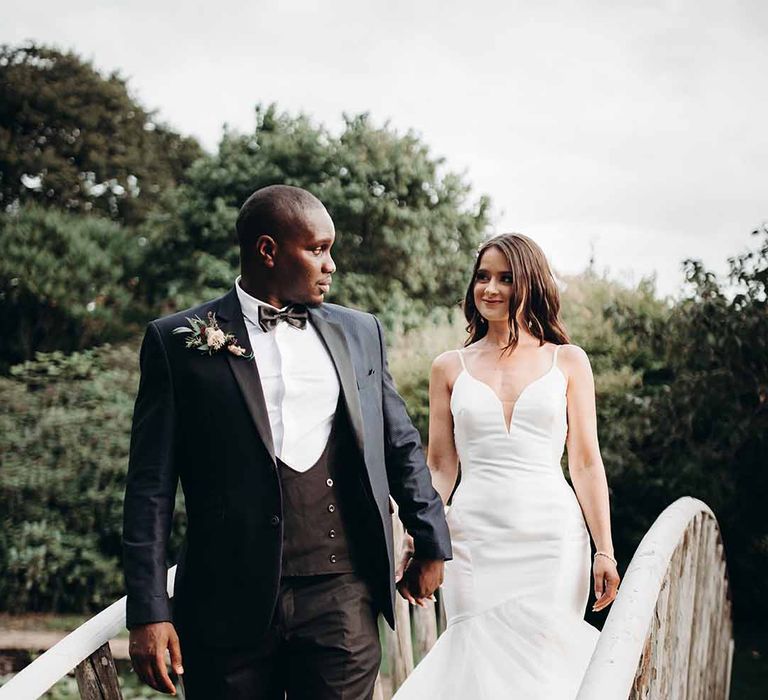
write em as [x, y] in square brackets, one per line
[206, 336]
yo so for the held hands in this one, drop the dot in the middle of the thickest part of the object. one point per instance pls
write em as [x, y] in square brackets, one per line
[606, 582]
[417, 579]
[147, 647]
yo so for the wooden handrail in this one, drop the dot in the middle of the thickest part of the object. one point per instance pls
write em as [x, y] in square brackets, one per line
[38, 677]
[669, 634]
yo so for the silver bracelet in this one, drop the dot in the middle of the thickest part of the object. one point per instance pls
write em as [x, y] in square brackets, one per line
[607, 556]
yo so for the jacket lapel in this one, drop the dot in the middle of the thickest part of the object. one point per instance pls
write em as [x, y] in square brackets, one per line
[246, 372]
[332, 335]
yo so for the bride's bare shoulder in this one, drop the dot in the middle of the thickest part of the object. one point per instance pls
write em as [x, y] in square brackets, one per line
[447, 365]
[570, 351]
[573, 359]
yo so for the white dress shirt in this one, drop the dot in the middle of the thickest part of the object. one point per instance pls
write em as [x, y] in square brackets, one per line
[300, 385]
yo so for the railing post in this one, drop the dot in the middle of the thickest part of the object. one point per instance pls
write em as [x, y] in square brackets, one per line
[97, 676]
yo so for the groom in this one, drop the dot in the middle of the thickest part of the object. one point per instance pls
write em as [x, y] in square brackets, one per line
[278, 415]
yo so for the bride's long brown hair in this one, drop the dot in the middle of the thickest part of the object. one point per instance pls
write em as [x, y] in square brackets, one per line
[534, 293]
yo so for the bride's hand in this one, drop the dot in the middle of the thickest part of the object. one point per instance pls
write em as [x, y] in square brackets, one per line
[406, 554]
[407, 549]
[606, 582]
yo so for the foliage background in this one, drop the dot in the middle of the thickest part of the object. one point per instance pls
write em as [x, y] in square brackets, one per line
[109, 219]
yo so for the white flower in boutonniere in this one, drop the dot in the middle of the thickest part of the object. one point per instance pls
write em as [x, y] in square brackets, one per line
[215, 338]
[207, 337]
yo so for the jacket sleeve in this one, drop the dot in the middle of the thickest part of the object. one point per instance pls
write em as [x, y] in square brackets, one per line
[420, 506]
[150, 487]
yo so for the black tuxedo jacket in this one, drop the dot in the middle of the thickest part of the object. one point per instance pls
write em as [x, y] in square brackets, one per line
[202, 420]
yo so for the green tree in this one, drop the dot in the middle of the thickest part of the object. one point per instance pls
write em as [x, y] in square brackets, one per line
[72, 138]
[67, 281]
[406, 230]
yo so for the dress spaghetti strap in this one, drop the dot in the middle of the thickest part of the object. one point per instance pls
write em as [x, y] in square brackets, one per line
[461, 358]
[554, 356]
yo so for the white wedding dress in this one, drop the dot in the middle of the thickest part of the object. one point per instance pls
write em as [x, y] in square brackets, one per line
[516, 589]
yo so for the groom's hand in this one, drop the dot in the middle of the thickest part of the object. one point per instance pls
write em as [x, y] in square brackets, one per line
[422, 577]
[147, 646]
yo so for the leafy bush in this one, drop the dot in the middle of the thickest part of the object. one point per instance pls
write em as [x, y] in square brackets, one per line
[66, 282]
[64, 434]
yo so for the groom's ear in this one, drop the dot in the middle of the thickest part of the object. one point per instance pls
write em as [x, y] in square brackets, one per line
[266, 250]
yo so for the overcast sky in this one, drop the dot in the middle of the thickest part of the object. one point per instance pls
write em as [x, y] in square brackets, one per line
[637, 130]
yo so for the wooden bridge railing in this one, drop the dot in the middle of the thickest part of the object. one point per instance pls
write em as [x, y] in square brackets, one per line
[668, 635]
[86, 650]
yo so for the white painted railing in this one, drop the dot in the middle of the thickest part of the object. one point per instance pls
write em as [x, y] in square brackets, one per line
[34, 680]
[669, 635]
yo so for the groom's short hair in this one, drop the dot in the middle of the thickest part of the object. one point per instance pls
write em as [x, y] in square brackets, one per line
[274, 211]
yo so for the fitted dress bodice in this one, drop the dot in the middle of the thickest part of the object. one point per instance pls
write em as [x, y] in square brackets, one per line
[535, 438]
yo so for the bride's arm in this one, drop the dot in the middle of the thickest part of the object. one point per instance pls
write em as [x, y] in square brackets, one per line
[442, 459]
[441, 453]
[585, 465]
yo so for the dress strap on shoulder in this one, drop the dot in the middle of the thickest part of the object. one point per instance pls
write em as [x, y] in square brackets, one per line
[554, 356]
[460, 353]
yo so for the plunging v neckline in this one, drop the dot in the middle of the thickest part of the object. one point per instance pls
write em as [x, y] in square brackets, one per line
[508, 428]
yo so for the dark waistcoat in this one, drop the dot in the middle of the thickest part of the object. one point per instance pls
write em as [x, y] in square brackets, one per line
[318, 507]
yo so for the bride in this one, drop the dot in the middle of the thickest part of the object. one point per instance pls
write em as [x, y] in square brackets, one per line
[504, 407]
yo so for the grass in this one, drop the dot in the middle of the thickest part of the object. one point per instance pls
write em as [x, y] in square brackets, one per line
[411, 354]
[41, 622]
[45, 622]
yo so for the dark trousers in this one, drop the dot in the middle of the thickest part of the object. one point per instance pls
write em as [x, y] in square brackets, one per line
[323, 643]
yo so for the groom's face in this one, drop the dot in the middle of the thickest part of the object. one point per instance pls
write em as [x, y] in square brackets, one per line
[304, 263]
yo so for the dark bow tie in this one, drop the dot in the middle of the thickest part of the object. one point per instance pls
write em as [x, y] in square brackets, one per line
[295, 314]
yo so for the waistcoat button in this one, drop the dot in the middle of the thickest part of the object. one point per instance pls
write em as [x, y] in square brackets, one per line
[331, 533]
[332, 559]
[274, 520]
[331, 508]
[329, 482]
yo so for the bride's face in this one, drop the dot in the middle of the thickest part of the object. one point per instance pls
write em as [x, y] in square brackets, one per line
[493, 286]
